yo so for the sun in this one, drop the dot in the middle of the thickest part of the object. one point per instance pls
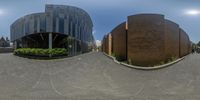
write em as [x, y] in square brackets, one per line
[193, 12]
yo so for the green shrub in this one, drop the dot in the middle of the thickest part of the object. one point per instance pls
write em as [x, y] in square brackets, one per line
[118, 57]
[113, 54]
[170, 59]
[41, 52]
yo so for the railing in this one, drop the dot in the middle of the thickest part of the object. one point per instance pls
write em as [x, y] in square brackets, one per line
[6, 49]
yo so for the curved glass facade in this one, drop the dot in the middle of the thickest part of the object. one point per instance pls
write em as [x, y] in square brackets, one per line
[59, 20]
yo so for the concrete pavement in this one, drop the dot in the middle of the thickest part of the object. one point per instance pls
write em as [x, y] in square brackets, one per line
[93, 76]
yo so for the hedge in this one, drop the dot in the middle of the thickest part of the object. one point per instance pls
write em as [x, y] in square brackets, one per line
[41, 52]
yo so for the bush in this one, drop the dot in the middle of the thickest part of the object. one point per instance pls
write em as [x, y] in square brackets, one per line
[171, 59]
[41, 52]
[118, 57]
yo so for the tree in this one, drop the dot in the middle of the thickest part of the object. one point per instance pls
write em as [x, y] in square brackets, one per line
[198, 44]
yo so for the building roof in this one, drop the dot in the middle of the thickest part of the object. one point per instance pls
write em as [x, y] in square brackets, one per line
[2, 39]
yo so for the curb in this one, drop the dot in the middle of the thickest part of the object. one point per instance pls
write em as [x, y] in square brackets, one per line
[41, 57]
[145, 68]
[47, 58]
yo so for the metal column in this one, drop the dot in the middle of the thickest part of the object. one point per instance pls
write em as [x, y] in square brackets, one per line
[50, 40]
[15, 44]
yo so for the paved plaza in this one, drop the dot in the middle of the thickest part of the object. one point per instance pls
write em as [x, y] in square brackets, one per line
[93, 76]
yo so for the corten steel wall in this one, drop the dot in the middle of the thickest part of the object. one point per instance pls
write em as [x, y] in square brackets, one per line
[109, 44]
[119, 40]
[171, 39]
[149, 39]
[146, 38]
[104, 44]
[184, 43]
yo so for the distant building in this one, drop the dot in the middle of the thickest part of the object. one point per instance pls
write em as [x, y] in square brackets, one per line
[4, 42]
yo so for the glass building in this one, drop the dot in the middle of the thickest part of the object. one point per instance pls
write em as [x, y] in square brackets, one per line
[60, 26]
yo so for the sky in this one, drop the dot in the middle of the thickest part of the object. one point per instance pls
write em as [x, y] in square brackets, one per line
[107, 14]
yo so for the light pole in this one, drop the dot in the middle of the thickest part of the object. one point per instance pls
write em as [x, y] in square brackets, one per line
[50, 42]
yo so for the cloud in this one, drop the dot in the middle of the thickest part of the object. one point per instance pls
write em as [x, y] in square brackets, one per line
[96, 4]
[98, 43]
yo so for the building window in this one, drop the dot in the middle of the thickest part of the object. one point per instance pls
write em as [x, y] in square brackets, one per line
[61, 25]
[35, 24]
[42, 24]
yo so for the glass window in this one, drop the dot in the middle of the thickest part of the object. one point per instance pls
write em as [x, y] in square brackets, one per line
[42, 24]
[26, 28]
[35, 24]
[73, 30]
[61, 25]
[54, 24]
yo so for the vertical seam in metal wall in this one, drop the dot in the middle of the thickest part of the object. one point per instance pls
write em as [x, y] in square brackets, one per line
[179, 43]
[126, 40]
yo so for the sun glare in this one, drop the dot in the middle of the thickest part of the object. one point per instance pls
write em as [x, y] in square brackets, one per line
[193, 12]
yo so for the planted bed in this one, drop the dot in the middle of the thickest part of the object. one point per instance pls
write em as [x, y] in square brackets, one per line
[38, 53]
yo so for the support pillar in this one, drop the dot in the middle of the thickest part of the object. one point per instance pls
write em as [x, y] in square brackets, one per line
[15, 44]
[50, 40]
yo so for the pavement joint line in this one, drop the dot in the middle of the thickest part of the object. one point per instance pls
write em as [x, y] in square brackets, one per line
[53, 87]
[38, 80]
[145, 68]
